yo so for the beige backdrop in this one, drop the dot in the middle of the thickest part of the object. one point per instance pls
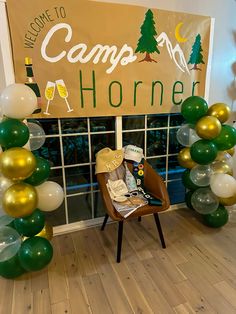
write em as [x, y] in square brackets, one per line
[125, 89]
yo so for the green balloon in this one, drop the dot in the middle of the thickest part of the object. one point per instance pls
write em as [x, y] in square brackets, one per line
[11, 268]
[35, 253]
[188, 196]
[187, 182]
[193, 108]
[203, 152]
[13, 133]
[30, 225]
[226, 139]
[216, 219]
[41, 172]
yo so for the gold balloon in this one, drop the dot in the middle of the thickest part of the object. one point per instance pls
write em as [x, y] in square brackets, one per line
[17, 163]
[227, 201]
[46, 232]
[220, 111]
[184, 158]
[208, 127]
[230, 151]
[220, 166]
[20, 200]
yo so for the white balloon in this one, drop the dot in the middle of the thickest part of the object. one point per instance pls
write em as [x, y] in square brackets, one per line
[18, 101]
[37, 135]
[223, 185]
[50, 196]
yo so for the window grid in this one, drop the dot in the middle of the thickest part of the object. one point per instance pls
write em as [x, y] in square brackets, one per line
[92, 194]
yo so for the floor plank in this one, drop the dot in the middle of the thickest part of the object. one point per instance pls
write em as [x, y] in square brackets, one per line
[196, 273]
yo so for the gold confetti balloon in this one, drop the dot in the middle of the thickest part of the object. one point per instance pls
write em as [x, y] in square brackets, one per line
[220, 166]
[228, 201]
[19, 200]
[208, 127]
[17, 163]
[46, 232]
[220, 111]
[230, 151]
[184, 158]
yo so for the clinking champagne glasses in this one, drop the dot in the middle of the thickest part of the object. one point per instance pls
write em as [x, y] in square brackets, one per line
[49, 94]
[62, 90]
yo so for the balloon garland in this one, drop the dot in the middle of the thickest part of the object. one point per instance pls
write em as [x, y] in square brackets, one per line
[207, 156]
[24, 190]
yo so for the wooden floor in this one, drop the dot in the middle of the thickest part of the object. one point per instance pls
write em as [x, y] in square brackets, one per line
[196, 272]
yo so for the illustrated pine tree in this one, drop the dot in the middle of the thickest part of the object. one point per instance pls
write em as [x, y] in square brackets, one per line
[196, 57]
[147, 42]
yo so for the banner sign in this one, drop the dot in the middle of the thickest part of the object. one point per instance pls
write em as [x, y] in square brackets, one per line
[85, 58]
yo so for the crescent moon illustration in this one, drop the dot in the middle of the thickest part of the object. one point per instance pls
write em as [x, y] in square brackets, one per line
[179, 38]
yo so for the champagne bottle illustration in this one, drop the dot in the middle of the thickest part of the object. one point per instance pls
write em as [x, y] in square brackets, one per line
[32, 83]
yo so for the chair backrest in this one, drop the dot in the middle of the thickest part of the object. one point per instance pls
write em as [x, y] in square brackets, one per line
[153, 184]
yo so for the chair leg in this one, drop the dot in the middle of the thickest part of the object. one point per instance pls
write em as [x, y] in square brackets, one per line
[104, 222]
[158, 224]
[119, 244]
[139, 218]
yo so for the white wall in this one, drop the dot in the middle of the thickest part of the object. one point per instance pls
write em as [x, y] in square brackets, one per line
[222, 87]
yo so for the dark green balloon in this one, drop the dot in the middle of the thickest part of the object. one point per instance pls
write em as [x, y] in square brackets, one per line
[216, 219]
[35, 253]
[187, 182]
[226, 139]
[11, 268]
[193, 108]
[203, 152]
[41, 172]
[30, 225]
[13, 133]
[188, 197]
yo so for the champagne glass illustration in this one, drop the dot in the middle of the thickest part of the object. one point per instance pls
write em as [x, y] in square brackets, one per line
[62, 90]
[49, 94]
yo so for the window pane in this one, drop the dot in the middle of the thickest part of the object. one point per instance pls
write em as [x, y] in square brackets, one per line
[76, 150]
[174, 145]
[174, 169]
[176, 192]
[74, 125]
[99, 209]
[50, 151]
[50, 126]
[56, 217]
[102, 124]
[156, 142]
[100, 141]
[79, 207]
[133, 122]
[159, 164]
[157, 121]
[133, 138]
[56, 176]
[176, 119]
[77, 179]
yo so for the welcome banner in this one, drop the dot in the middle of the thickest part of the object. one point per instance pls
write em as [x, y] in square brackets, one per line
[85, 58]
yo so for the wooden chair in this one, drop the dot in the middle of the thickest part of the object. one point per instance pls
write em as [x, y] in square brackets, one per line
[153, 184]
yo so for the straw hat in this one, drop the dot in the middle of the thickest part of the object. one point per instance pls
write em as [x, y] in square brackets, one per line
[108, 160]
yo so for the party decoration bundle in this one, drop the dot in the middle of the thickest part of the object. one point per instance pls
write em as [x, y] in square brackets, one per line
[207, 156]
[24, 190]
